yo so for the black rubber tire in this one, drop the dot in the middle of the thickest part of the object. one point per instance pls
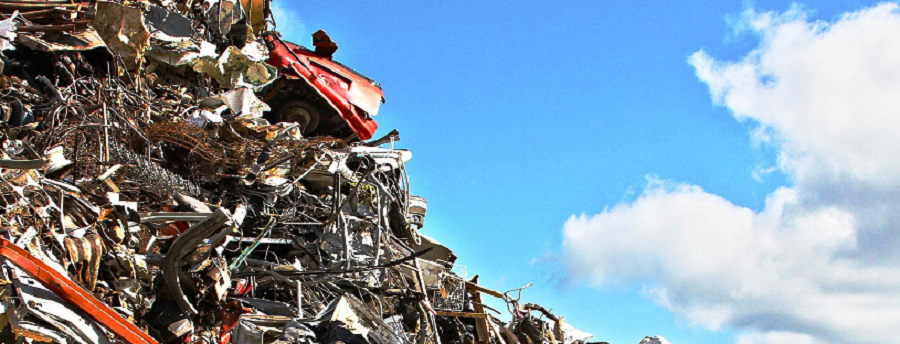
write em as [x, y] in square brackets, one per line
[300, 111]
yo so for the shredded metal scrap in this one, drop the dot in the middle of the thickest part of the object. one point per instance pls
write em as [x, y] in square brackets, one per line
[172, 172]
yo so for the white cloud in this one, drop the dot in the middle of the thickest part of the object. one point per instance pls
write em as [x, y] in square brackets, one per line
[819, 264]
[289, 23]
[760, 173]
[830, 90]
[717, 263]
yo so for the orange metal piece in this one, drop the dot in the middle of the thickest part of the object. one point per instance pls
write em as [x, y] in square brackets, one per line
[231, 314]
[256, 15]
[73, 294]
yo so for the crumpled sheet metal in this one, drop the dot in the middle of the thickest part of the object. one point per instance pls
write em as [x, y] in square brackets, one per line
[168, 26]
[77, 40]
[224, 14]
[242, 102]
[38, 301]
[238, 67]
[359, 319]
[161, 186]
[171, 38]
[255, 328]
[123, 30]
[8, 32]
[654, 340]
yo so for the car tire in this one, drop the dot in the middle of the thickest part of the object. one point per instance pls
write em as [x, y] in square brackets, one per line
[301, 111]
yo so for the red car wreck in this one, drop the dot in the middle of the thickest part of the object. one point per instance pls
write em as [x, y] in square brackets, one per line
[328, 92]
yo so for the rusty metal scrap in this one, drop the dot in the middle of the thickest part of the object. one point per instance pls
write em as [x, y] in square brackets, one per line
[174, 172]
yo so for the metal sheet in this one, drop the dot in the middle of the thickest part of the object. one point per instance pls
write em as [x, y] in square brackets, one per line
[80, 40]
[49, 307]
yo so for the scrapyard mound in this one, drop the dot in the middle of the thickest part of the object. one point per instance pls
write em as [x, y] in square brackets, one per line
[175, 172]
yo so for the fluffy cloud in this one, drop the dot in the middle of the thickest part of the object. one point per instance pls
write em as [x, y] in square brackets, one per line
[819, 263]
[289, 23]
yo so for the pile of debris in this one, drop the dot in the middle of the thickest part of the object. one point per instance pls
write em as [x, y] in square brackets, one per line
[175, 172]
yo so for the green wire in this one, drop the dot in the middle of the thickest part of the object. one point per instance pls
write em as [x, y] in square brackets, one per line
[240, 259]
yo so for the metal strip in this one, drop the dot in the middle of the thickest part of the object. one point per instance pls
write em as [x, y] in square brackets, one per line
[73, 294]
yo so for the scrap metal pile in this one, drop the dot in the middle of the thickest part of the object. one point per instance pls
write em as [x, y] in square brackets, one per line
[175, 172]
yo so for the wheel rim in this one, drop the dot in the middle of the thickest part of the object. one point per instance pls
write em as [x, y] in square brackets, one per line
[308, 120]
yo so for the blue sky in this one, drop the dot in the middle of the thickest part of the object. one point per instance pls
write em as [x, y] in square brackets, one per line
[521, 115]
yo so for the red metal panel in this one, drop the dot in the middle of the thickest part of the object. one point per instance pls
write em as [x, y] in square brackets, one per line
[73, 294]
